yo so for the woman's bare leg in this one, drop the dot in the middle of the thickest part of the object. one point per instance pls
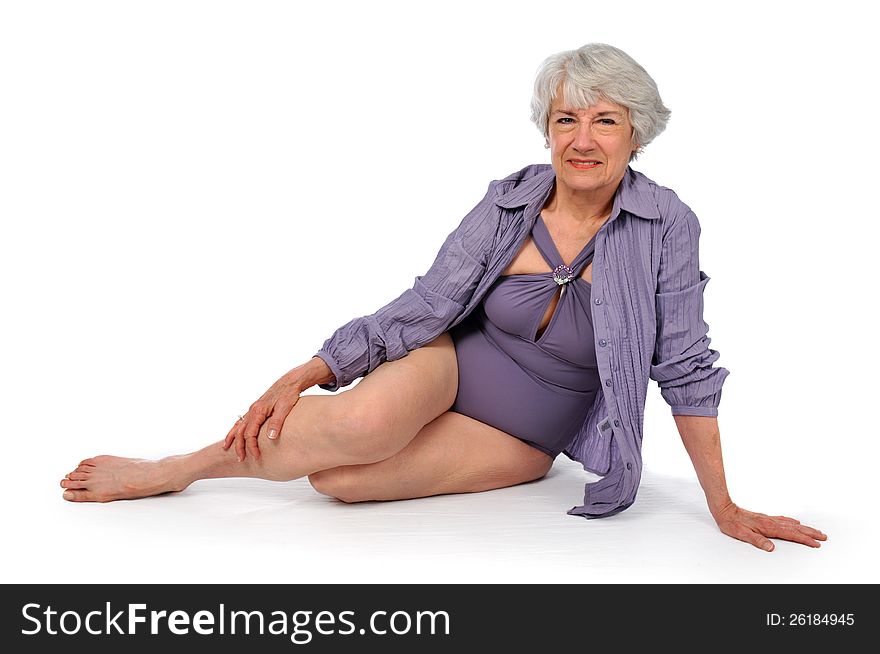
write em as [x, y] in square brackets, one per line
[451, 454]
[369, 423]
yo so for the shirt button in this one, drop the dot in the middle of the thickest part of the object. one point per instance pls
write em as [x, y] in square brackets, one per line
[598, 300]
[629, 465]
[617, 423]
[608, 382]
[603, 342]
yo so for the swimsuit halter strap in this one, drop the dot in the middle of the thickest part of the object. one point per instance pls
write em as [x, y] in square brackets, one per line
[547, 248]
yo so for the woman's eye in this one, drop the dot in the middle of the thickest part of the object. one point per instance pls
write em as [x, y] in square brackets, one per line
[604, 121]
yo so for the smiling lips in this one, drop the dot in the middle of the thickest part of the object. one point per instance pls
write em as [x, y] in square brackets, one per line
[584, 164]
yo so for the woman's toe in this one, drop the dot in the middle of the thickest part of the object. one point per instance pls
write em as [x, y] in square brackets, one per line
[89, 462]
[75, 495]
[78, 476]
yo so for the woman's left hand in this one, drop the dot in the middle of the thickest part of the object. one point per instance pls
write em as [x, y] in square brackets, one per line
[759, 528]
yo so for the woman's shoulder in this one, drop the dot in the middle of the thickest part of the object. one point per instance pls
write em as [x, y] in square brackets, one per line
[526, 173]
[523, 185]
[669, 206]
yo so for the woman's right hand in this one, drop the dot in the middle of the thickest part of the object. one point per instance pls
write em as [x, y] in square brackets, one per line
[272, 408]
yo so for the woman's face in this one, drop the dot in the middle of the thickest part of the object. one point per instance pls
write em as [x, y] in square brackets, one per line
[601, 133]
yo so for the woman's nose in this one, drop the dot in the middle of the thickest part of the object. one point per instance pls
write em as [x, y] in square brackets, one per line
[583, 138]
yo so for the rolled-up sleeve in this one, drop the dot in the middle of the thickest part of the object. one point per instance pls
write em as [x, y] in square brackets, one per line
[683, 363]
[420, 314]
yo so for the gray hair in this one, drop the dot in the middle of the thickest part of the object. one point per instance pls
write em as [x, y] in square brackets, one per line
[595, 72]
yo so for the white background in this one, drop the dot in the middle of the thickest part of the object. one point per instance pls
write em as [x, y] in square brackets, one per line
[194, 195]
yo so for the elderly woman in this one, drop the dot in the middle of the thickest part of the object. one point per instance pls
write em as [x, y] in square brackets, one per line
[534, 333]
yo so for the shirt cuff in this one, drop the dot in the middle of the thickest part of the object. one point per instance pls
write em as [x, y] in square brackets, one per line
[683, 410]
[332, 386]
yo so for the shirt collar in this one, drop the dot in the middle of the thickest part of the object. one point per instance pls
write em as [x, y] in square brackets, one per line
[634, 195]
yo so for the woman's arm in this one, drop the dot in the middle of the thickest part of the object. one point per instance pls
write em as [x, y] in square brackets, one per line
[421, 313]
[702, 440]
[315, 371]
[684, 367]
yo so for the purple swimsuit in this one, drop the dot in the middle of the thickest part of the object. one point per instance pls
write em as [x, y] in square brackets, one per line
[535, 388]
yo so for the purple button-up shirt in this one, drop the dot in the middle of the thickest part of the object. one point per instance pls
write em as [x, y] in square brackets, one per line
[647, 308]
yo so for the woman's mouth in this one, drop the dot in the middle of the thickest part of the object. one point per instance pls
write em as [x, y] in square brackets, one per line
[584, 165]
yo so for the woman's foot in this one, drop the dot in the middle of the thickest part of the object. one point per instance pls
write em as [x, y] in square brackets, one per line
[109, 478]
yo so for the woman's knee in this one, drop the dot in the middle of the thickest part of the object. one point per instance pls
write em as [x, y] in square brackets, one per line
[376, 421]
[369, 432]
[339, 425]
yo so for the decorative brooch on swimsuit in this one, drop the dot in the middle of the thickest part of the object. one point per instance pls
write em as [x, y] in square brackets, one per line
[562, 274]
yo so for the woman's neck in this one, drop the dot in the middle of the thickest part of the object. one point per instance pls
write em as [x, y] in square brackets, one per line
[581, 211]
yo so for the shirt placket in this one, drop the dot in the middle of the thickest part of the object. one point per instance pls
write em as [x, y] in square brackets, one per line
[598, 309]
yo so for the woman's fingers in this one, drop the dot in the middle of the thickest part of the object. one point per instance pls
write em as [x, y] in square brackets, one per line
[279, 415]
[759, 528]
[273, 426]
[230, 437]
[812, 532]
[235, 437]
[272, 410]
[742, 532]
[255, 419]
[757, 539]
[251, 446]
[797, 533]
[772, 527]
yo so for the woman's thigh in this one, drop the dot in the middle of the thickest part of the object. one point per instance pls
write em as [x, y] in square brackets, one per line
[451, 454]
[388, 407]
